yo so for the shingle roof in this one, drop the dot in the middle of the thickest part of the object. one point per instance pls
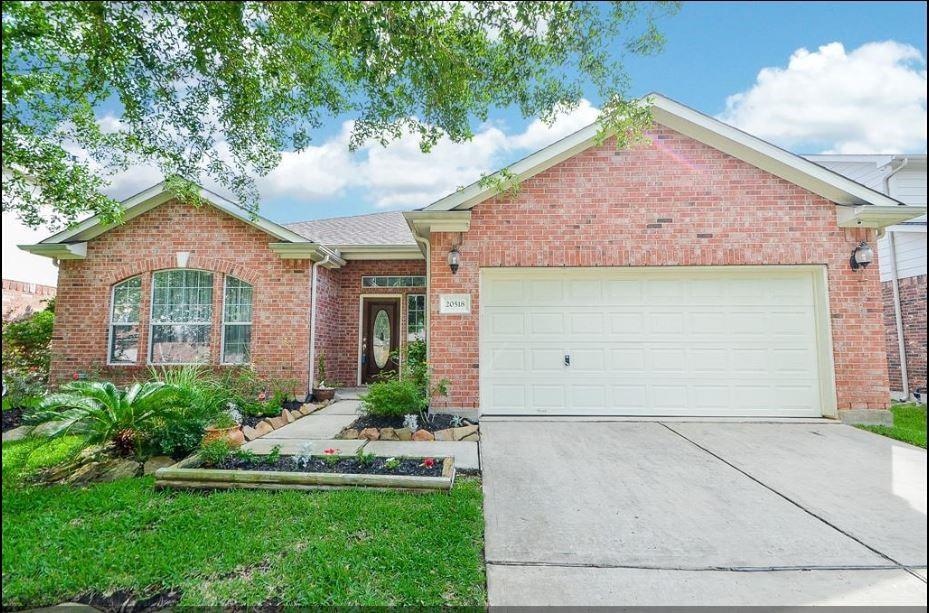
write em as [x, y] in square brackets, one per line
[387, 228]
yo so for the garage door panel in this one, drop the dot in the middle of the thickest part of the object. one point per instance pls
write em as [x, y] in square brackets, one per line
[650, 342]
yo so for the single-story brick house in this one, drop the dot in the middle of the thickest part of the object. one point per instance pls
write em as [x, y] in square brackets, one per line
[706, 273]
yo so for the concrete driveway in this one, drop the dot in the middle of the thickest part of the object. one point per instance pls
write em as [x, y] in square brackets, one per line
[696, 513]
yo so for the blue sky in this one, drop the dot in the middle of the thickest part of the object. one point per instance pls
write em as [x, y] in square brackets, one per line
[714, 50]
[810, 76]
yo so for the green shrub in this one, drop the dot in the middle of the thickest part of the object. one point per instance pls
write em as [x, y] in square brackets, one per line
[215, 452]
[393, 399]
[102, 413]
[26, 355]
[261, 408]
[26, 342]
[197, 400]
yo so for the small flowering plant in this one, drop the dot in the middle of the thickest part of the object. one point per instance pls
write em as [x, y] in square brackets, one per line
[330, 457]
[428, 462]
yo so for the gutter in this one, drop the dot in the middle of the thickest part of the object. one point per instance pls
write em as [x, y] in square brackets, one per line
[892, 172]
[898, 314]
[314, 282]
[895, 284]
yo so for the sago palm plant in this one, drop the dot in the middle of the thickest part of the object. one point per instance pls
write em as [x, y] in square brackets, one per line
[102, 413]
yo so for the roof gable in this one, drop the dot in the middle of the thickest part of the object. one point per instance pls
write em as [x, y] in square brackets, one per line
[700, 127]
[157, 195]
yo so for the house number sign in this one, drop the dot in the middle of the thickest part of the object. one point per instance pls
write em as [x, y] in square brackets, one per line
[454, 304]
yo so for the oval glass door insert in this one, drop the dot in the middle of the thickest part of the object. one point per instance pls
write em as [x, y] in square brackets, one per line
[381, 346]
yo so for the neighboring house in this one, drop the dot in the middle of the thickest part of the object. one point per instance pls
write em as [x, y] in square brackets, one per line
[20, 298]
[902, 259]
[704, 273]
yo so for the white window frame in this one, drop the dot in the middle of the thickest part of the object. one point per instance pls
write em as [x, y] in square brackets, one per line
[407, 308]
[364, 280]
[223, 324]
[111, 324]
[152, 324]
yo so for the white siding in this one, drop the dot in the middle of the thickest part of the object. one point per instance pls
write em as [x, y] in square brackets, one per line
[909, 185]
[911, 254]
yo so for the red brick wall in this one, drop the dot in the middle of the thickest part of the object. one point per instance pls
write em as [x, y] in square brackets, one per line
[341, 344]
[328, 322]
[217, 242]
[913, 311]
[602, 208]
[20, 298]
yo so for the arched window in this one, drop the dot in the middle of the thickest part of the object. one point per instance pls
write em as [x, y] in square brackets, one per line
[237, 322]
[124, 322]
[182, 315]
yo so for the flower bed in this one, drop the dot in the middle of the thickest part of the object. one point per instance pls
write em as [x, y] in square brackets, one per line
[289, 472]
[420, 467]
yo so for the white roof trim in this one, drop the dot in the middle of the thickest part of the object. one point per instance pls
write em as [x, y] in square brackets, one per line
[158, 194]
[876, 216]
[725, 138]
[59, 251]
[379, 252]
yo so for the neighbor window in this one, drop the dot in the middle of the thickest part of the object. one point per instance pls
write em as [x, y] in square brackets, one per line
[237, 321]
[182, 313]
[416, 317]
[124, 321]
[394, 281]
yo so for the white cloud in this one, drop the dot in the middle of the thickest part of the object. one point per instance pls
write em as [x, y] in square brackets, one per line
[538, 135]
[400, 175]
[869, 100]
[22, 266]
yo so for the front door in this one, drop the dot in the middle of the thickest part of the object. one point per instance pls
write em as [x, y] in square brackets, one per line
[380, 337]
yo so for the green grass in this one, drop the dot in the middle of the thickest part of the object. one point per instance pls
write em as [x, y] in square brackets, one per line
[347, 547]
[909, 425]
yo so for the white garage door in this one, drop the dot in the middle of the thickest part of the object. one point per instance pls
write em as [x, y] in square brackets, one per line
[719, 341]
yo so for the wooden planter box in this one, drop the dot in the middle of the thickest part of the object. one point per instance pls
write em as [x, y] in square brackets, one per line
[186, 475]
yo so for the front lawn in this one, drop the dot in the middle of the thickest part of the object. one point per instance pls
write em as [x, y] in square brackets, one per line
[909, 424]
[346, 547]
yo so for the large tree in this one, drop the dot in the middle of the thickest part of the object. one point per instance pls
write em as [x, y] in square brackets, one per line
[219, 89]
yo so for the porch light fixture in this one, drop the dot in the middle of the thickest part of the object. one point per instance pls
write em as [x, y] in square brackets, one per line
[862, 255]
[454, 259]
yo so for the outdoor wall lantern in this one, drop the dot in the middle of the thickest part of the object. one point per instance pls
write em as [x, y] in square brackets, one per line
[454, 259]
[862, 255]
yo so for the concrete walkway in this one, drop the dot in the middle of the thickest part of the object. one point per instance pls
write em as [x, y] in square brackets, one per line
[316, 432]
[651, 513]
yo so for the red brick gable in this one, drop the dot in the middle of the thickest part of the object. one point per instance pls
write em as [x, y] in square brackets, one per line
[673, 202]
[216, 242]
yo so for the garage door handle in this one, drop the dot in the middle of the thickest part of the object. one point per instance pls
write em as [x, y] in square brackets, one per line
[567, 359]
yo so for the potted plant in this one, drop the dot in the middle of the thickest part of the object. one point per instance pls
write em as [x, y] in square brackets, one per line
[226, 426]
[322, 391]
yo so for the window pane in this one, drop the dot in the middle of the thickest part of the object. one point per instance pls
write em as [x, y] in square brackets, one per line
[237, 317]
[237, 343]
[415, 317]
[124, 344]
[393, 281]
[180, 343]
[182, 296]
[124, 319]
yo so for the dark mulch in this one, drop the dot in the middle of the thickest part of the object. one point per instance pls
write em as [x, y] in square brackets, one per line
[13, 418]
[435, 422]
[126, 601]
[348, 465]
[251, 421]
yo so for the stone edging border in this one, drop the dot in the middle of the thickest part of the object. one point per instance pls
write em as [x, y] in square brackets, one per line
[463, 433]
[287, 416]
